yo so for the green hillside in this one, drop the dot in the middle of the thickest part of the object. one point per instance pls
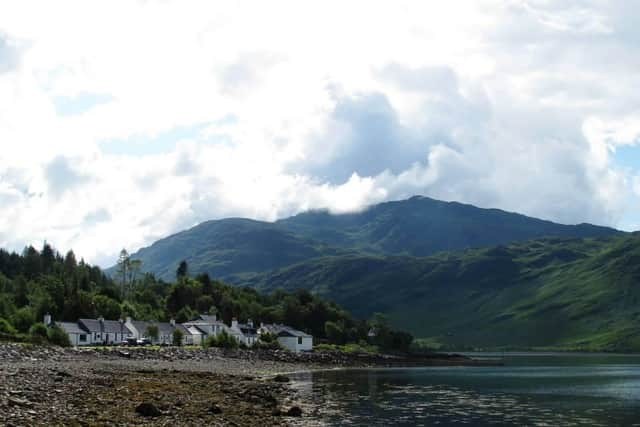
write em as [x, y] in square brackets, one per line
[563, 293]
[421, 226]
[231, 249]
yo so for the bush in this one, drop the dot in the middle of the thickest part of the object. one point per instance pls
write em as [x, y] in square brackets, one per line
[6, 328]
[38, 333]
[177, 337]
[222, 340]
[23, 318]
[57, 336]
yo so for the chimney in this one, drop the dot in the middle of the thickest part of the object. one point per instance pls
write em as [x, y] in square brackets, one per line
[250, 323]
[234, 323]
[261, 325]
[128, 320]
[173, 322]
[47, 319]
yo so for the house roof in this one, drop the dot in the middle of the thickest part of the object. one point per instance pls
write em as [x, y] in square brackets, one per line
[71, 328]
[164, 328]
[284, 331]
[248, 330]
[108, 326]
[211, 319]
[195, 330]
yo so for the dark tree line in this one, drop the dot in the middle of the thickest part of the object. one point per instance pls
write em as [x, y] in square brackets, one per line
[43, 281]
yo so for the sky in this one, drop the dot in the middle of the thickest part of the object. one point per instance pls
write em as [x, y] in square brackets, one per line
[124, 121]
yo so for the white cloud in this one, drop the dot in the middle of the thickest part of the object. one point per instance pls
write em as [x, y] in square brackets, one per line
[124, 121]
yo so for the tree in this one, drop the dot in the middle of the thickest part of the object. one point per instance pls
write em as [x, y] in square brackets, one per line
[122, 270]
[23, 318]
[205, 303]
[183, 270]
[152, 332]
[177, 337]
[334, 332]
[134, 269]
[106, 307]
[48, 256]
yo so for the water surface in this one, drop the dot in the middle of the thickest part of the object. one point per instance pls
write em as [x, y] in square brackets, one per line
[531, 389]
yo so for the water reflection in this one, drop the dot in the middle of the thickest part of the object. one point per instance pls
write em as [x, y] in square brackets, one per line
[522, 393]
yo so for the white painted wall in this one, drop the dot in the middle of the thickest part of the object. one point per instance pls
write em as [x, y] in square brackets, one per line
[295, 344]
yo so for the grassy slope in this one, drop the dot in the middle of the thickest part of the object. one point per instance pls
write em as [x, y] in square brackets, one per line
[569, 293]
[229, 248]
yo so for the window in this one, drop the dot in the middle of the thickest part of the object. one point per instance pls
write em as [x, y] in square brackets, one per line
[299, 340]
[83, 338]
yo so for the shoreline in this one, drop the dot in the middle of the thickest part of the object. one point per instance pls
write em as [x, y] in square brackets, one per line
[41, 385]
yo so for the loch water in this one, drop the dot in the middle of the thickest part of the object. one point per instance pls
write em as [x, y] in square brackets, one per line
[530, 389]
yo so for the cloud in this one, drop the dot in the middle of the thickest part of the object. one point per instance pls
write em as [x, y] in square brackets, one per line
[8, 54]
[61, 176]
[114, 139]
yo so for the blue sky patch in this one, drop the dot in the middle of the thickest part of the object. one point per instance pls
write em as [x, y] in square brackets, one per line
[143, 145]
[73, 105]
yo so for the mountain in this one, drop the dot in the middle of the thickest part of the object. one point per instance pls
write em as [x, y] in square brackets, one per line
[234, 249]
[564, 293]
[229, 248]
[422, 226]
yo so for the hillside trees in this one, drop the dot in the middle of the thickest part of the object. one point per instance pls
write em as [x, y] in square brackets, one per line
[39, 282]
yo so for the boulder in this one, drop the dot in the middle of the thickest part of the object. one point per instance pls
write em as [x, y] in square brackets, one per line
[294, 411]
[147, 409]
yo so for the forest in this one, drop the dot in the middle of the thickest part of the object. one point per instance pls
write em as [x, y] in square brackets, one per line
[43, 281]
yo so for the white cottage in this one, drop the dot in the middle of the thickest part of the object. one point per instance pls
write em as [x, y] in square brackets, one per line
[245, 333]
[165, 331]
[288, 337]
[105, 332]
[77, 335]
[203, 326]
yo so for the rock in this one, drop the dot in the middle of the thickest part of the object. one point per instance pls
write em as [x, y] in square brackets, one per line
[147, 409]
[124, 354]
[294, 411]
[281, 379]
[214, 409]
[14, 401]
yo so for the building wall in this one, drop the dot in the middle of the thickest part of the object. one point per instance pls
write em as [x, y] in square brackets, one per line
[294, 344]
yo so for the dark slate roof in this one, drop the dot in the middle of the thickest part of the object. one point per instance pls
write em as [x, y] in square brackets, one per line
[71, 328]
[248, 330]
[164, 328]
[285, 331]
[108, 326]
[290, 332]
[207, 318]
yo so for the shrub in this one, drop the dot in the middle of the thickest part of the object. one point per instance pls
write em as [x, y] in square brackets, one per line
[58, 336]
[152, 332]
[222, 340]
[6, 328]
[23, 318]
[177, 337]
[38, 333]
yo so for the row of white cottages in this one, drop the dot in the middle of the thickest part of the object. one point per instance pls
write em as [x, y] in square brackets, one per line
[87, 332]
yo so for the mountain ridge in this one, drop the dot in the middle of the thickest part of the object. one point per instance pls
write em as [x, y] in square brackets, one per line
[233, 248]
